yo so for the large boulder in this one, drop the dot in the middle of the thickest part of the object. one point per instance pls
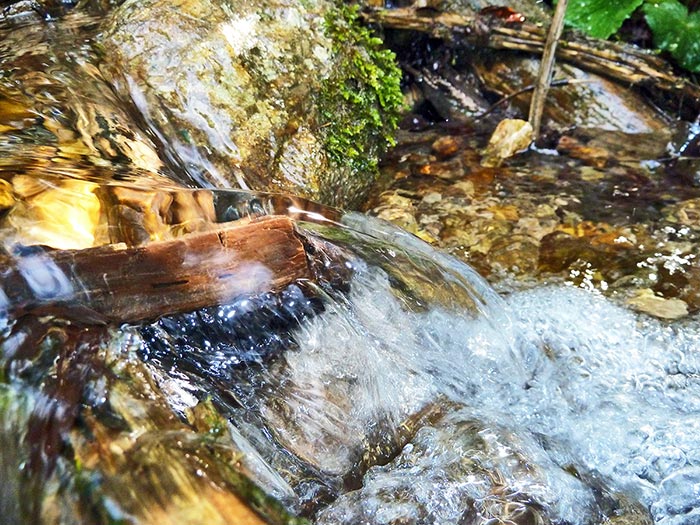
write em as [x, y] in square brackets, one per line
[267, 95]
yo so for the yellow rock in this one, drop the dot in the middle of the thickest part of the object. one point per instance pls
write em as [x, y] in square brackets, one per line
[507, 213]
[6, 197]
[510, 137]
[646, 301]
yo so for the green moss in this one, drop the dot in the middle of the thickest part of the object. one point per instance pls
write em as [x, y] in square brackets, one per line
[265, 505]
[361, 100]
[208, 421]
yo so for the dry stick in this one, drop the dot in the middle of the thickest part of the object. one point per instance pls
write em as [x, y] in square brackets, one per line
[544, 76]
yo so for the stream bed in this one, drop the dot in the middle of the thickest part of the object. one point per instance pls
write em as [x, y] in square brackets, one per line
[385, 380]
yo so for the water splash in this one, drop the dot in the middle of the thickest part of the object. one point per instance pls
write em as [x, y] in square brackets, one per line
[398, 387]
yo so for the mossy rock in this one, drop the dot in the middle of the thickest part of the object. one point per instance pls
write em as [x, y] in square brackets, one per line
[269, 95]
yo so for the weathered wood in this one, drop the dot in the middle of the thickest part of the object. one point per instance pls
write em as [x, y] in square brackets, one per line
[624, 63]
[544, 78]
[115, 284]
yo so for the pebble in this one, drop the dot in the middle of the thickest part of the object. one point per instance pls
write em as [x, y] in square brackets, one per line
[447, 170]
[446, 147]
[509, 137]
[432, 197]
[649, 303]
[595, 156]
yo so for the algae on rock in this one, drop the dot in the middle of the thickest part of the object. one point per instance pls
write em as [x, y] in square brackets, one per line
[359, 102]
[266, 95]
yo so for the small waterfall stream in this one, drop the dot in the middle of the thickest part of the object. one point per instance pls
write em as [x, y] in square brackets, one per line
[384, 383]
[400, 388]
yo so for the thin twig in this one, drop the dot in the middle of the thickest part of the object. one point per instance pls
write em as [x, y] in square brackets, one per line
[546, 69]
[530, 87]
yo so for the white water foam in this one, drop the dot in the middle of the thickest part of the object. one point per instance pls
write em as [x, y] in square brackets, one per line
[576, 395]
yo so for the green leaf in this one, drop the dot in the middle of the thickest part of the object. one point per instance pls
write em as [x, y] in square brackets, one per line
[675, 31]
[600, 18]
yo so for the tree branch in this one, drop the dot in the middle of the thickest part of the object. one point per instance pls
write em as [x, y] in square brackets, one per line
[623, 63]
[115, 284]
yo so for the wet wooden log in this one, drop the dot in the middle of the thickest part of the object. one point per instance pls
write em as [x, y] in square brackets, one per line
[114, 284]
[621, 62]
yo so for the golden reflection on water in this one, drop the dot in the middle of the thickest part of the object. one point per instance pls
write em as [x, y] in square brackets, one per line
[64, 216]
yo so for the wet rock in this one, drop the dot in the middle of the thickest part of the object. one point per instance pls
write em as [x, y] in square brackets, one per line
[648, 302]
[270, 95]
[686, 213]
[623, 147]
[691, 292]
[59, 119]
[6, 195]
[516, 254]
[588, 101]
[509, 137]
[446, 147]
[617, 229]
[64, 216]
[593, 244]
[448, 170]
[432, 198]
[398, 210]
[136, 216]
[138, 451]
[457, 457]
[594, 156]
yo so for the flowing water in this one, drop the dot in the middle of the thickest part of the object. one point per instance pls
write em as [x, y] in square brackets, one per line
[412, 393]
[389, 384]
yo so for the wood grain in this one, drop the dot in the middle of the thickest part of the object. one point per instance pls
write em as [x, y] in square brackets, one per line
[621, 62]
[115, 284]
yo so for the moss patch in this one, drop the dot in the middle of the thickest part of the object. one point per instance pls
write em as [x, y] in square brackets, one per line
[360, 102]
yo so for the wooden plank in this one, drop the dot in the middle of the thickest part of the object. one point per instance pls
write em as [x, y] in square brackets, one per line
[114, 284]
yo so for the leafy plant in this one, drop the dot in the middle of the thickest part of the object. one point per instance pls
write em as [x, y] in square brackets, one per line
[600, 18]
[675, 30]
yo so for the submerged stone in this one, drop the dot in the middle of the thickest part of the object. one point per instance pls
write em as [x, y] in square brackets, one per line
[620, 229]
[410, 394]
[646, 301]
[58, 118]
[583, 101]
